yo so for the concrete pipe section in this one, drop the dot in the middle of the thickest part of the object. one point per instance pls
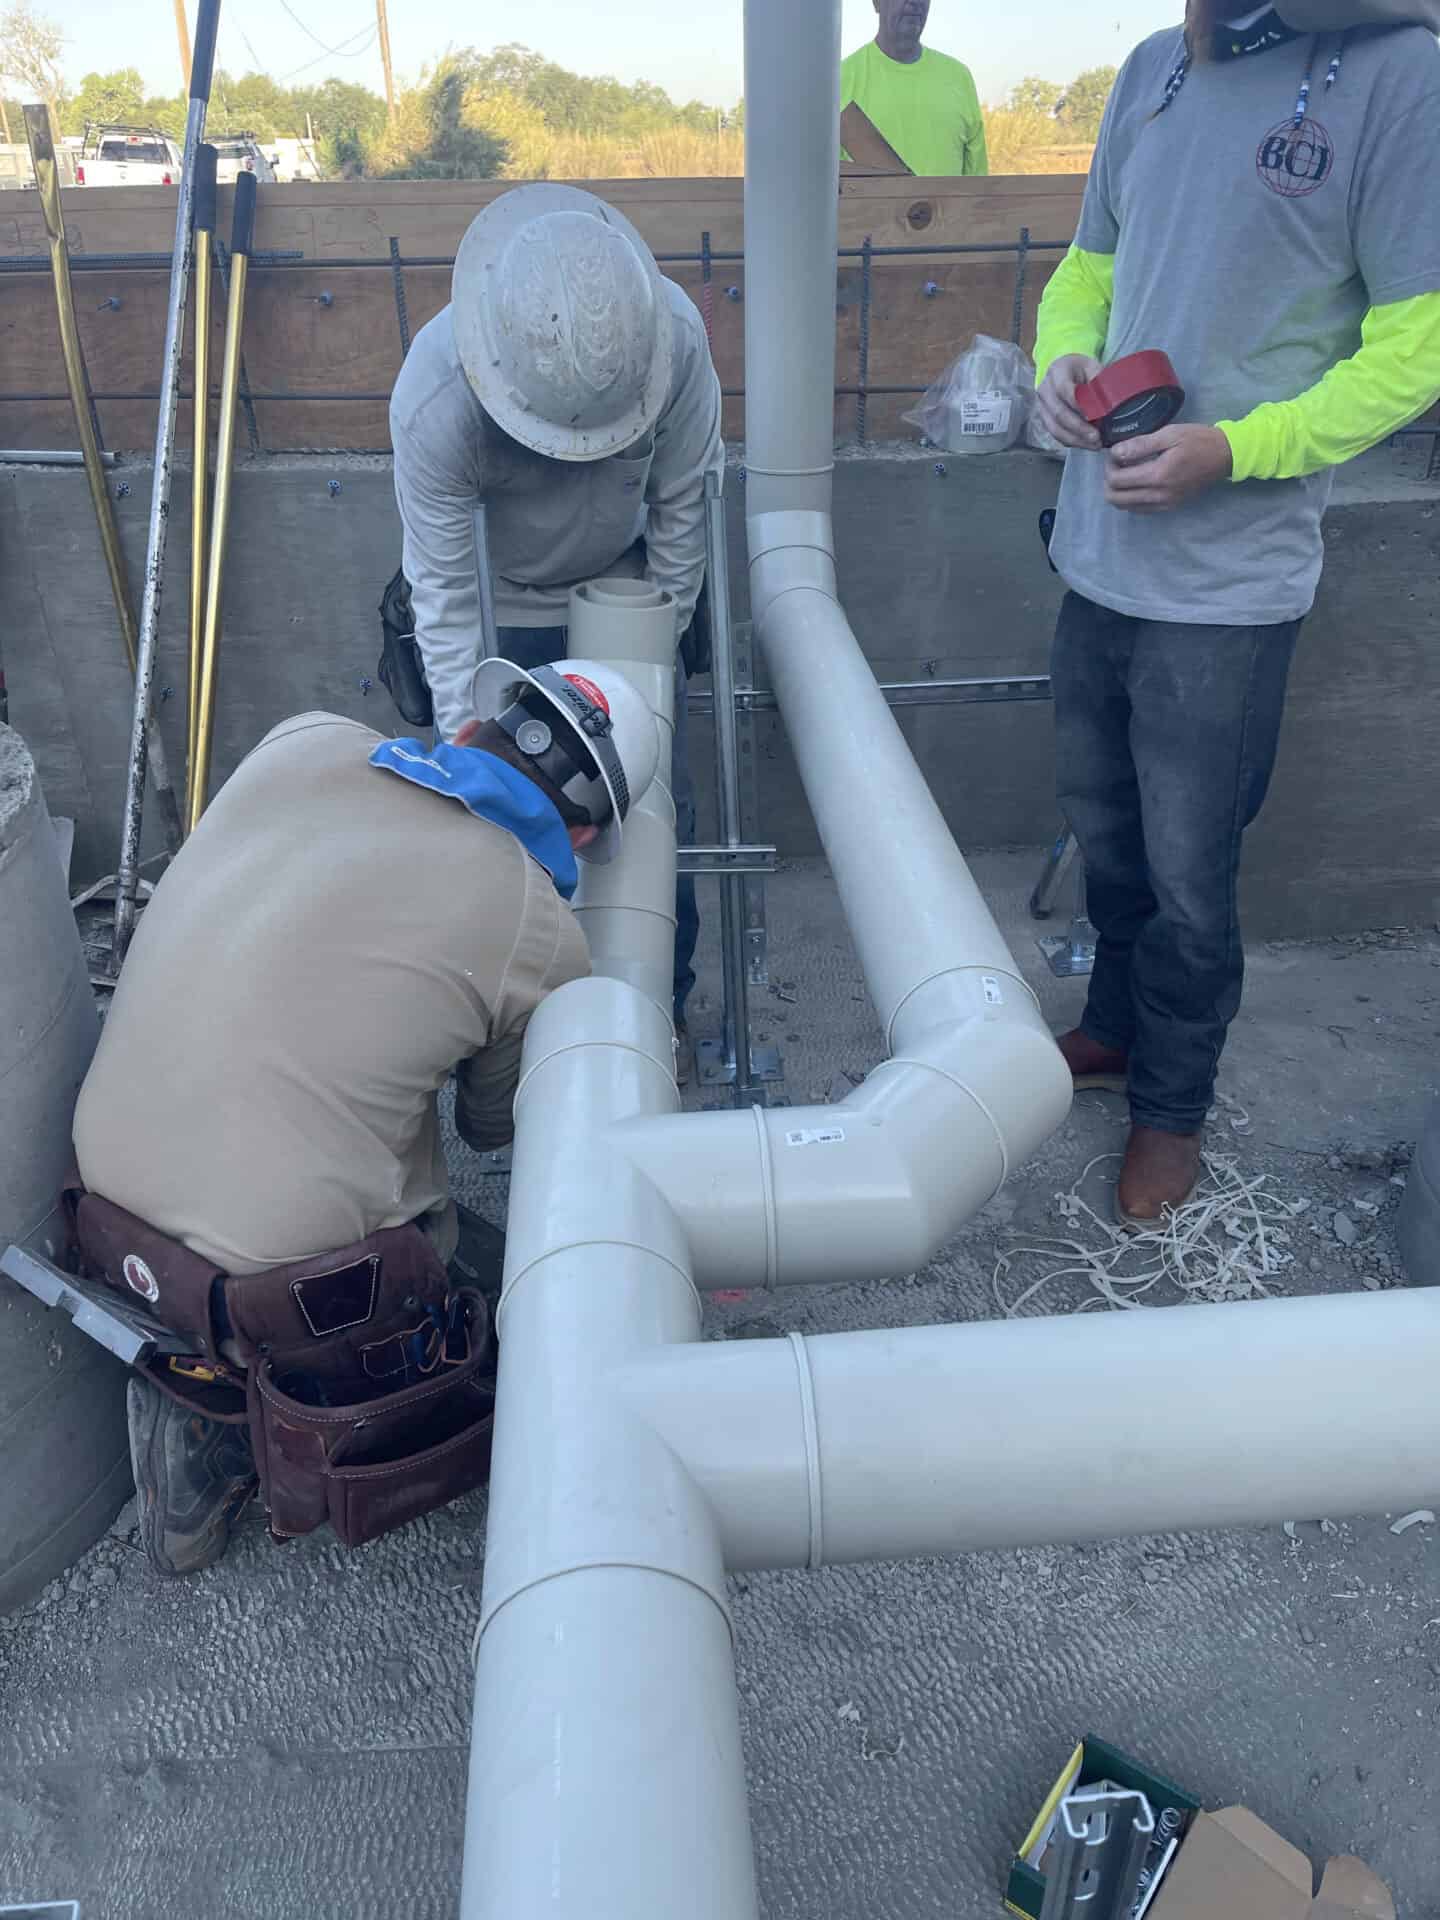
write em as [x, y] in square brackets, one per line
[62, 1399]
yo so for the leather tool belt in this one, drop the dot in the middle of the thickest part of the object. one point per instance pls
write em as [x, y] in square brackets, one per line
[365, 1379]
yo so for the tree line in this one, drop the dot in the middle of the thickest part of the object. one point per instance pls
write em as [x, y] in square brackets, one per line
[471, 115]
[1076, 110]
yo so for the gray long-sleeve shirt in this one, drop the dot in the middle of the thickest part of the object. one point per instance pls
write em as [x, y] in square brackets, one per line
[551, 523]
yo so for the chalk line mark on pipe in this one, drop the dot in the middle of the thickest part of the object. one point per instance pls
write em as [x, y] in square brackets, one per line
[811, 1426]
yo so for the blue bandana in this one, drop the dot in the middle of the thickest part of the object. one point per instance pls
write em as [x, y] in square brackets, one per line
[493, 791]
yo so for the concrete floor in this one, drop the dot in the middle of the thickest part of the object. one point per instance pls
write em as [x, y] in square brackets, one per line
[286, 1734]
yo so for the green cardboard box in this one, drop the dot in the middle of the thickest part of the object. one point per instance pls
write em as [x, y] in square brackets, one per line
[1092, 1760]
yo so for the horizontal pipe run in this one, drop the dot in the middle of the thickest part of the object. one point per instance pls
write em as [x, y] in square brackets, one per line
[956, 1439]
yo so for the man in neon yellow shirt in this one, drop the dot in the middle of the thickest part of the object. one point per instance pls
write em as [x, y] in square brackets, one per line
[924, 103]
[1263, 208]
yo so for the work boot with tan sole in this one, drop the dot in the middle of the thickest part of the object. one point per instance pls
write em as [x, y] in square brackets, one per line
[1093, 1067]
[192, 1478]
[1160, 1173]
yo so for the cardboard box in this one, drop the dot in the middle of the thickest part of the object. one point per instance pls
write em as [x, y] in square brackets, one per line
[1233, 1864]
[1093, 1760]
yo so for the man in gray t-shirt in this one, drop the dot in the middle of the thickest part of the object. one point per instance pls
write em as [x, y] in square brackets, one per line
[1263, 209]
[568, 387]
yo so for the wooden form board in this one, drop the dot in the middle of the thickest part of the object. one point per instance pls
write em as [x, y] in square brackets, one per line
[357, 219]
[924, 306]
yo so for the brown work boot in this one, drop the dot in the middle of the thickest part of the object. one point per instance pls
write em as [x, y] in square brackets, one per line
[1093, 1067]
[1160, 1173]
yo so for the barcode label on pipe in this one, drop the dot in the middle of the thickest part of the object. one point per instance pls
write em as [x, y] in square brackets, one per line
[815, 1137]
[993, 995]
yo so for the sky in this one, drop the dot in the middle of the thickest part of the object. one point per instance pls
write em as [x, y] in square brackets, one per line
[691, 48]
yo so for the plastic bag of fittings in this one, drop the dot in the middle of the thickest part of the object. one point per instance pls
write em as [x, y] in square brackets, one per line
[982, 402]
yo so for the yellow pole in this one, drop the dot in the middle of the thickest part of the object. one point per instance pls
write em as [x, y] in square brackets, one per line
[199, 527]
[199, 793]
[47, 180]
[182, 29]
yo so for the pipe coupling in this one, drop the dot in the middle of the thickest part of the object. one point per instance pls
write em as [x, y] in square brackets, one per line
[789, 549]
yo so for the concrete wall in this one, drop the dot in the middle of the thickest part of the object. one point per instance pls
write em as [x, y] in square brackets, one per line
[943, 575]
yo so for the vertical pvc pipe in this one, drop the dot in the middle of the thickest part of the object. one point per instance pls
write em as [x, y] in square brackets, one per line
[627, 909]
[792, 174]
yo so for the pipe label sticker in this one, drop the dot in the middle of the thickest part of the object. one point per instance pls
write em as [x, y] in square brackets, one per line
[985, 415]
[815, 1137]
[139, 1278]
[994, 997]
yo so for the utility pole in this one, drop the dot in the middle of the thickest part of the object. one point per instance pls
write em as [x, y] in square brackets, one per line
[384, 24]
[182, 28]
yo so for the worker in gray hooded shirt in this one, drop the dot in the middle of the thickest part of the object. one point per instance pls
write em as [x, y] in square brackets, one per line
[1263, 208]
[569, 387]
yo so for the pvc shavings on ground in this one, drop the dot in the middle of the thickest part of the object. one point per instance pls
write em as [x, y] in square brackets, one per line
[1229, 1242]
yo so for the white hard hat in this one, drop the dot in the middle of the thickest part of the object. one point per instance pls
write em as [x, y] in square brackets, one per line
[603, 759]
[561, 322]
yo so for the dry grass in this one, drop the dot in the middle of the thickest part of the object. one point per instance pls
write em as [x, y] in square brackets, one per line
[1019, 143]
[1024, 142]
[679, 154]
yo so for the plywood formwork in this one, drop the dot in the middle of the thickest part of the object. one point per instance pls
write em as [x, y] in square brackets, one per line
[323, 321]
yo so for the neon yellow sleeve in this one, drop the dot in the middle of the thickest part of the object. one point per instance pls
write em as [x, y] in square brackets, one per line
[1075, 308]
[977, 157]
[1391, 381]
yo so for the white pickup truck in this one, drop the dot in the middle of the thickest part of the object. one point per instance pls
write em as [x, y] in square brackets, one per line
[127, 157]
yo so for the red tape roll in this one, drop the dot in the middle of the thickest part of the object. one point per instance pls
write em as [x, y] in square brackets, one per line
[1124, 386]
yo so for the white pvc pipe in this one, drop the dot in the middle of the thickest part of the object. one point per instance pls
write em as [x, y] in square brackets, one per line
[875, 1185]
[792, 169]
[606, 1776]
[947, 1440]
[608, 1781]
[626, 910]
[631, 1462]
[915, 912]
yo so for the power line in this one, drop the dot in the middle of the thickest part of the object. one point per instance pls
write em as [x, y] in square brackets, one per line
[342, 52]
[309, 33]
[259, 63]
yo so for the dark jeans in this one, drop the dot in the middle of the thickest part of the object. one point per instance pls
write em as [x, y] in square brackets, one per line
[1166, 738]
[535, 647]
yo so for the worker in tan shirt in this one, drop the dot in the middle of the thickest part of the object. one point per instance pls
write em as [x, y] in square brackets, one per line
[353, 919]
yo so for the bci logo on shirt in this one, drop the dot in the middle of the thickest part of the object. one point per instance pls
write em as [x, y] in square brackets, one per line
[1294, 161]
